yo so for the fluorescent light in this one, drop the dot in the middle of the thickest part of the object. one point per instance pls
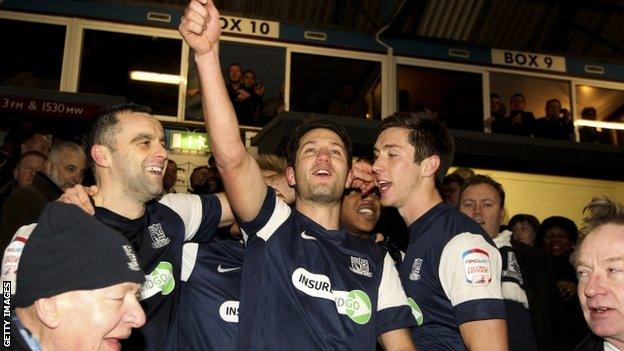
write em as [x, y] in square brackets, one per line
[599, 124]
[155, 77]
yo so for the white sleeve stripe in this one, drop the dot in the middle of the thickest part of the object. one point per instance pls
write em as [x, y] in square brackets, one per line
[189, 208]
[13, 254]
[189, 256]
[278, 217]
[391, 292]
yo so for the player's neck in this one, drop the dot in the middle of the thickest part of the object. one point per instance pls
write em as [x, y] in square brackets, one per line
[418, 204]
[326, 215]
[116, 201]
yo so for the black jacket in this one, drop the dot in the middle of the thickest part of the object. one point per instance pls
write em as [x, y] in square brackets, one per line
[25, 204]
[590, 343]
[550, 321]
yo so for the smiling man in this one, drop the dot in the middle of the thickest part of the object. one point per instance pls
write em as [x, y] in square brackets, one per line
[306, 284]
[599, 262]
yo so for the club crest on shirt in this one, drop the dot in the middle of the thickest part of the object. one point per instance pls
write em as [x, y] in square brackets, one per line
[159, 238]
[415, 273]
[360, 266]
[477, 267]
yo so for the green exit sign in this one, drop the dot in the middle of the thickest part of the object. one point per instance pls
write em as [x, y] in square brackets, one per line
[189, 141]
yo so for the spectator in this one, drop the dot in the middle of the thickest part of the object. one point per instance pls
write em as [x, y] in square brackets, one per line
[27, 166]
[205, 180]
[250, 82]
[171, 177]
[9, 153]
[524, 228]
[64, 168]
[347, 103]
[245, 100]
[535, 316]
[598, 262]
[77, 287]
[36, 142]
[592, 134]
[557, 124]
[272, 107]
[413, 153]
[451, 187]
[496, 122]
[557, 235]
[519, 122]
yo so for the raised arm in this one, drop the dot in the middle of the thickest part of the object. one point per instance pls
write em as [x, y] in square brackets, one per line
[244, 186]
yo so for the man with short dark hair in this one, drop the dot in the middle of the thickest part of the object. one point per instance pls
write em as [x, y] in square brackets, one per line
[535, 316]
[77, 287]
[557, 124]
[451, 271]
[306, 285]
[599, 262]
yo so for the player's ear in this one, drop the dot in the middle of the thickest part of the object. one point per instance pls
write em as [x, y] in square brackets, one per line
[290, 176]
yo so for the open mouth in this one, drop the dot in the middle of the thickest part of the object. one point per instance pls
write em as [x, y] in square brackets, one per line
[322, 172]
[156, 170]
[366, 211]
[384, 185]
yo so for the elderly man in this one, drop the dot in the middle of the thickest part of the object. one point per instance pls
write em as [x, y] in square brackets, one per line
[77, 287]
[599, 262]
[64, 168]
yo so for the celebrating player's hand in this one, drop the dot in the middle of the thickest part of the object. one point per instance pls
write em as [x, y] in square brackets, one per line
[363, 177]
[200, 26]
[80, 196]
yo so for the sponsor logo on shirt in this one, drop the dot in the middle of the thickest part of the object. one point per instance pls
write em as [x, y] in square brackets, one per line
[316, 285]
[306, 236]
[355, 304]
[416, 311]
[222, 269]
[477, 267]
[360, 266]
[415, 273]
[133, 263]
[160, 280]
[229, 311]
[159, 238]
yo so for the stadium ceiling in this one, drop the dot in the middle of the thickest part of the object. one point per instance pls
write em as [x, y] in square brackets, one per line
[583, 29]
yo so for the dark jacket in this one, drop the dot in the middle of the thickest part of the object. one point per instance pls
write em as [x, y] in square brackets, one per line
[550, 321]
[21, 338]
[590, 343]
[25, 204]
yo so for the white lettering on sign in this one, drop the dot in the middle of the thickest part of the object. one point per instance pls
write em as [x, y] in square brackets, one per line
[248, 26]
[529, 60]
